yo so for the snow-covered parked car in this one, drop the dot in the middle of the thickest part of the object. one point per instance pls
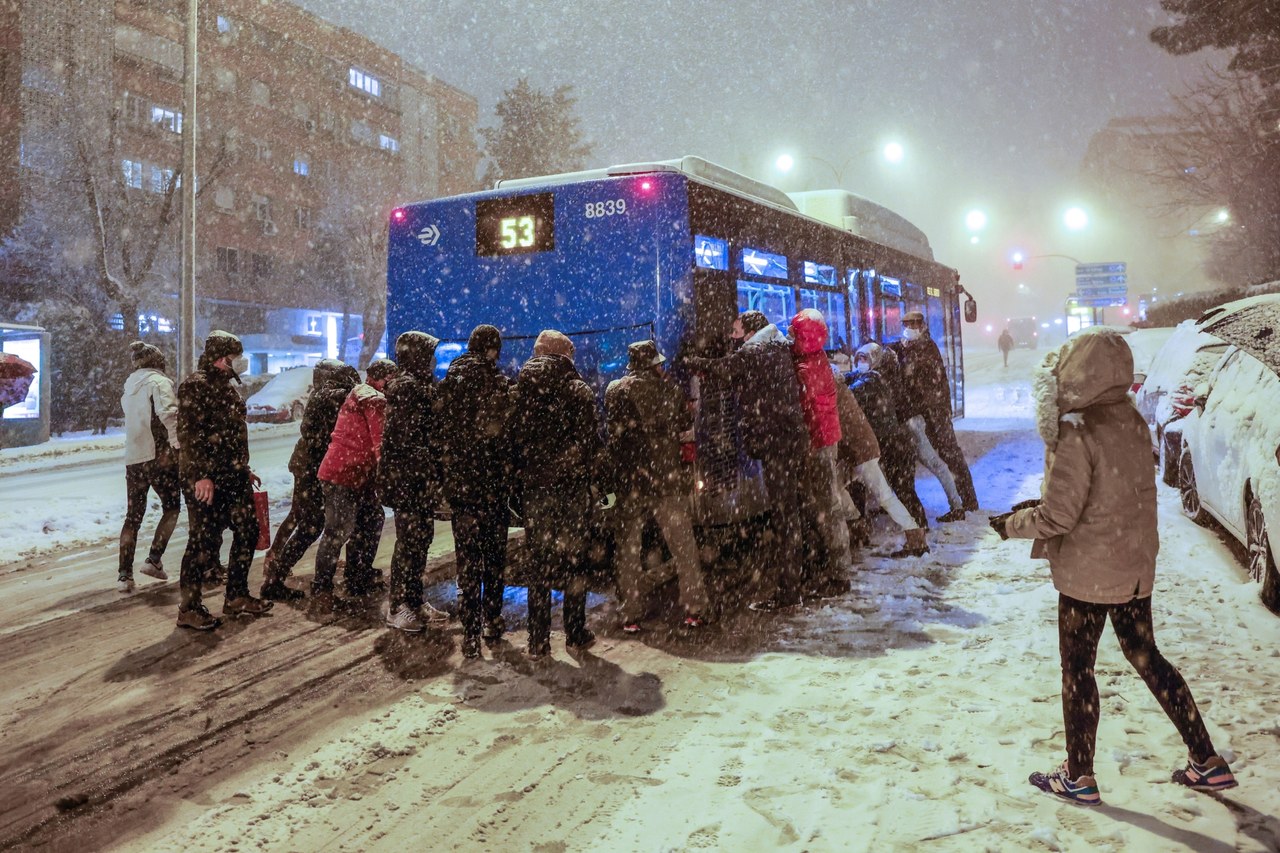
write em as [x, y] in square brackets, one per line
[1229, 466]
[282, 399]
[1168, 388]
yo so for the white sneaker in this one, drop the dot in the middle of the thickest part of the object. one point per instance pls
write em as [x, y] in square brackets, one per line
[432, 615]
[405, 619]
[153, 569]
[125, 585]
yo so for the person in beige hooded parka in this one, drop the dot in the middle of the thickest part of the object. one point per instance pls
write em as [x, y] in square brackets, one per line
[1096, 524]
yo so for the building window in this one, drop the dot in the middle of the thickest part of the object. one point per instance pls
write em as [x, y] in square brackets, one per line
[228, 261]
[135, 110]
[364, 81]
[161, 179]
[261, 267]
[261, 150]
[360, 131]
[388, 143]
[301, 167]
[262, 208]
[132, 173]
[170, 120]
[224, 24]
[259, 93]
[225, 198]
[224, 79]
[302, 216]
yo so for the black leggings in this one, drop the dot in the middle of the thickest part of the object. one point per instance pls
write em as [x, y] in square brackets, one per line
[160, 474]
[1080, 625]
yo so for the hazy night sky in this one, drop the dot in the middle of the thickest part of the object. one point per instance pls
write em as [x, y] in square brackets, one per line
[994, 101]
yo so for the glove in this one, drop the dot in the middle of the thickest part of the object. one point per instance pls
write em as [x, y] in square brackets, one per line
[1034, 502]
[997, 523]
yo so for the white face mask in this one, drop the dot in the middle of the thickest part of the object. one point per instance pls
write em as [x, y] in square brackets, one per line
[912, 334]
[863, 367]
[240, 365]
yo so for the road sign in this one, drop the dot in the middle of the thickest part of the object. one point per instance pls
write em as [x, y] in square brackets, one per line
[1085, 301]
[1097, 290]
[1082, 280]
[1111, 268]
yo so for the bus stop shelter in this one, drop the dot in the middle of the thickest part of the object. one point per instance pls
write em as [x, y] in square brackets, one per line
[26, 421]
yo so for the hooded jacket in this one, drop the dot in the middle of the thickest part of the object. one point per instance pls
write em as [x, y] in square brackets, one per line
[474, 401]
[356, 443]
[409, 473]
[763, 376]
[150, 406]
[212, 432]
[646, 414]
[1097, 516]
[817, 382]
[555, 438]
[331, 381]
[858, 442]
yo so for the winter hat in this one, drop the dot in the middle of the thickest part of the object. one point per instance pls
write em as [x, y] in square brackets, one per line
[753, 321]
[219, 344]
[383, 368]
[144, 355]
[416, 353]
[872, 352]
[917, 316]
[643, 355]
[331, 373]
[551, 342]
[484, 338]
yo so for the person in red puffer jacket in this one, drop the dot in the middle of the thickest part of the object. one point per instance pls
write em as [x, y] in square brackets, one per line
[821, 415]
[352, 510]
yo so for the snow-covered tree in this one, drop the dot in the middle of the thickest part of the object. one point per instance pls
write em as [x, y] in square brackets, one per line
[537, 133]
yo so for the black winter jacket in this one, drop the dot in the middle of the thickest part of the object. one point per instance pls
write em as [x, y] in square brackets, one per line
[554, 429]
[474, 404]
[922, 387]
[318, 420]
[409, 473]
[212, 432]
[876, 397]
[646, 414]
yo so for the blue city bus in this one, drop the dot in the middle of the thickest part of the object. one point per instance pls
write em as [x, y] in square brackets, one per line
[671, 251]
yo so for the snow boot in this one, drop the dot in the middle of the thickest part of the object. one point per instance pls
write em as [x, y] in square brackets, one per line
[197, 618]
[915, 546]
[245, 605]
[956, 514]
[275, 590]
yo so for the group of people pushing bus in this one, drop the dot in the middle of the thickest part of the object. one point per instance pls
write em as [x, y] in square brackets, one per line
[824, 437]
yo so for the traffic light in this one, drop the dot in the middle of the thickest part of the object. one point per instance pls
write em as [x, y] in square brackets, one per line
[1017, 259]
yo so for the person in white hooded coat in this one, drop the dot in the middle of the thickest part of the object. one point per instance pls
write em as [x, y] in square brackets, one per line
[150, 406]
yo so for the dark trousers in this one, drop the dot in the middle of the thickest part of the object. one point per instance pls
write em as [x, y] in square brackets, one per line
[1080, 627]
[232, 507]
[942, 435]
[787, 507]
[556, 536]
[160, 474]
[480, 542]
[300, 528]
[415, 530]
[898, 460]
[352, 517]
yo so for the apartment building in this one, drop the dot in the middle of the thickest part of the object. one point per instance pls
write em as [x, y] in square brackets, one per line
[308, 134]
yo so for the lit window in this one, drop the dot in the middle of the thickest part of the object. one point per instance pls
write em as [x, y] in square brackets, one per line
[819, 274]
[711, 252]
[301, 167]
[224, 24]
[161, 179]
[170, 120]
[388, 143]
[132, 173]
[756, 262]
[364, 81]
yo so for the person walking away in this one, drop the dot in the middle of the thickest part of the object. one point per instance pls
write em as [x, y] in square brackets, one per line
[555, 442]
[331, 381]
[474, 401]
[409, 478]
[927, 394]
[859, 458]
[822, 417]
[646, 416]
[1096, 523]
[217, 483]
[352, 511]
[1005, 343]
[875, 396]
[150, 405]
[762, 375]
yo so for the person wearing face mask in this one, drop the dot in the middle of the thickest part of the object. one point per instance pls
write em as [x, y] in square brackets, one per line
[217, 483]
[352, 510]
[897, 450]
[924, 405]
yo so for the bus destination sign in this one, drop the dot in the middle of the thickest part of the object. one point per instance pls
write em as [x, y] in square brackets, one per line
[518, 225]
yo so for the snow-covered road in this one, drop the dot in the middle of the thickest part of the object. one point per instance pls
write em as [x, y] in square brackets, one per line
[905, 716]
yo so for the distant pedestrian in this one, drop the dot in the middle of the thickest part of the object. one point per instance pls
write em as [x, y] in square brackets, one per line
[1005, 343]
[762, 376]
[1097, 525]
[555, 438]
[150, 405]
[924, 405]
[876, 397]
[409, 478]
[217, 483]
[331, 381]
[474, 401]
[352, 511]
[647, 416]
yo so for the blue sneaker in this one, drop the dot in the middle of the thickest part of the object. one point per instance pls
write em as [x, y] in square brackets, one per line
[1213, 775]
[1083, 790]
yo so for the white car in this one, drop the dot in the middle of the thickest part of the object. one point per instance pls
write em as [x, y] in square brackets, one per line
[1229, 466]
[282, 399]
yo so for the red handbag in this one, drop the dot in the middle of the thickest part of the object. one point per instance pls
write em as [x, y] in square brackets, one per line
[262, 509]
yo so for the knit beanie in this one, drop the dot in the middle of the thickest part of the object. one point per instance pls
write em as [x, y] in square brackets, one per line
[144, 355]
[383, 368]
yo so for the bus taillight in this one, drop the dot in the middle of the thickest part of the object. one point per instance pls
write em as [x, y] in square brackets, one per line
[398, 214]
[646, 186]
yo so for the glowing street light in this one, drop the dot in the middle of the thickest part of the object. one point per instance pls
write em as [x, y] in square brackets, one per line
[785, 163]
[1224, 216]
[1075, 218]
[893, 153]
[975, 220]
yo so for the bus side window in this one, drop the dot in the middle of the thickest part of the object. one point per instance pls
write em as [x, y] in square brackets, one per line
[777, 302]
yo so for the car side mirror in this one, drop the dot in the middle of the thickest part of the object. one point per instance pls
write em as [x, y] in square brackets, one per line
[970, 310]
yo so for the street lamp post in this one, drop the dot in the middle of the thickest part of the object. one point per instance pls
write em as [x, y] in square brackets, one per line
[187, 289]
